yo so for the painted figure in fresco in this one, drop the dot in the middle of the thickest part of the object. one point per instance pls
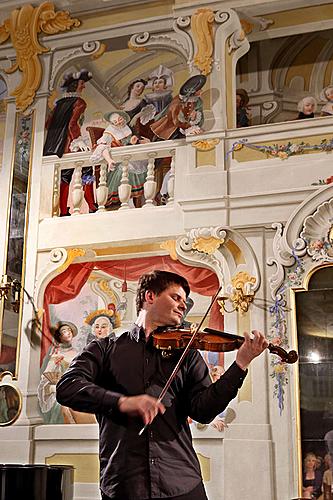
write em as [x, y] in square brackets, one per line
[327, 95]
[242, 112]
[306, 108]
[161, 83]
[312, 477]
[54, 366]
[64, 135]
[117, 134]
[184, 115]
[3, 406]
[103, 322]
[120, 381]
[139, 111]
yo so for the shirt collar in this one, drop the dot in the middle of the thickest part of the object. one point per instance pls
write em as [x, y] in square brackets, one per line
[136, 332]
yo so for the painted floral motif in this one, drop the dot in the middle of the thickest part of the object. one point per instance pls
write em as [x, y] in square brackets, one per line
[23, 141]
[278, 331]
[323, 182]
[284, 151]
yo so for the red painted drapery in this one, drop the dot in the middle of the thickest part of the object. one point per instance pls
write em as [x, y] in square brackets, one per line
[68, 284]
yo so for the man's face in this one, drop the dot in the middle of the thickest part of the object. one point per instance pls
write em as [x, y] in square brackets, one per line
[118, 120]
[167, 308]
[159, 84]
[80, 86]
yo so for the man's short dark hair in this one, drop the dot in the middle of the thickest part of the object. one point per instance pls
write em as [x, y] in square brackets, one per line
[157, 281]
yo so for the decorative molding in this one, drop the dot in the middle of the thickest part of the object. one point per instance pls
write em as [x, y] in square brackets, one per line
[205, 145]
[170, 246]
[23, 28]
[188, 253]
[236, 40]
[72, 254]
[317, 233]
[179, 26]
[176, 42]
[93, 48]
[207, 245]
[202, 28]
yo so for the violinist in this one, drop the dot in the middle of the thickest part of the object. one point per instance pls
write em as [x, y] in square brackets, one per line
[120, 381]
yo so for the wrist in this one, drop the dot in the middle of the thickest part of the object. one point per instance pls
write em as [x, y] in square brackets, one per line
[241, 365]
[121, 400]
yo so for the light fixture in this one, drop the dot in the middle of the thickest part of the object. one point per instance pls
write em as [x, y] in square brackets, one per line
[314, 357]
[10, 288]
[240, 293]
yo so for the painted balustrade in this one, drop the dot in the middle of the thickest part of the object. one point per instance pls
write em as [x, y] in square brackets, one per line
[151, 152]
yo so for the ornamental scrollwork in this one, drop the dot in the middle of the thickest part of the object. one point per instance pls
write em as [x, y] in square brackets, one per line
[202, 28]
[23, 28]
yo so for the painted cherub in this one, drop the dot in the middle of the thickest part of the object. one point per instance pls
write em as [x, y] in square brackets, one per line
[306, 107]
[327, 95]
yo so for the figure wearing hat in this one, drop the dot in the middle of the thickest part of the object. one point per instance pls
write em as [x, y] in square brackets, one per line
[117, 134]
[64, 135]
[54, 366]
[184, 115]
[161, 82]
[103, 322]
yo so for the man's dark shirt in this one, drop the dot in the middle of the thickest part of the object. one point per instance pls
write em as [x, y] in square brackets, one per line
[162, 462]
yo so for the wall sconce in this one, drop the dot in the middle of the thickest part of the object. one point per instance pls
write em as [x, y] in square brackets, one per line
[240, 293]
[8, 287]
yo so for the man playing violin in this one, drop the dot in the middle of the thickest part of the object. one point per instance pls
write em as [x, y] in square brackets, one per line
[120, 380]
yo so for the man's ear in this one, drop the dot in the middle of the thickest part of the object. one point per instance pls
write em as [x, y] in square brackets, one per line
[149, 296]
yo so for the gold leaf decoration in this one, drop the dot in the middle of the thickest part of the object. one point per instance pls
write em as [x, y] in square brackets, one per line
[23, 28]
[207, 245]
[99, 52]
[202, 28]
[205, 145]
[170, 246]
[135, 48]
[72, 253]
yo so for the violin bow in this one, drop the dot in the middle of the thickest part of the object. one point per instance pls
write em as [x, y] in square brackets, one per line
[181, 359]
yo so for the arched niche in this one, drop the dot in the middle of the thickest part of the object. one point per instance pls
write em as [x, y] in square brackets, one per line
[302, 292]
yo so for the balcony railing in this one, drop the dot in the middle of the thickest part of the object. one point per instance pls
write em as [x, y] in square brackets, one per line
[123, 157]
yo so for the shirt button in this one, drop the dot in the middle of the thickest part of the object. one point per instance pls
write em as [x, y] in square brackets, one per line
[147, 361]
[152, 461]
[151, 434]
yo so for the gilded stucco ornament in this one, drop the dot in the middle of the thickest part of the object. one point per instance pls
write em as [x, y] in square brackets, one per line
[170, 246]
[72, 254]
[189, 254]
[207, 245]
[207, 240]
[202, 28]
[23, 28]
[205, 145]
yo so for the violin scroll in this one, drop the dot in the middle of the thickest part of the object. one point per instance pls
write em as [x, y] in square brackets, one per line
[287, 357]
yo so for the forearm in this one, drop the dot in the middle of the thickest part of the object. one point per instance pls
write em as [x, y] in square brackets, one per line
[80, 387]
[212, 400]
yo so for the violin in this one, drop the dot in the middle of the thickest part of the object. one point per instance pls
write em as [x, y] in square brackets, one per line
[209, 339]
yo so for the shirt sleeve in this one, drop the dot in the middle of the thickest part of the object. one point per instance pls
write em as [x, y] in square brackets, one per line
[206, 399]
[79, 388]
